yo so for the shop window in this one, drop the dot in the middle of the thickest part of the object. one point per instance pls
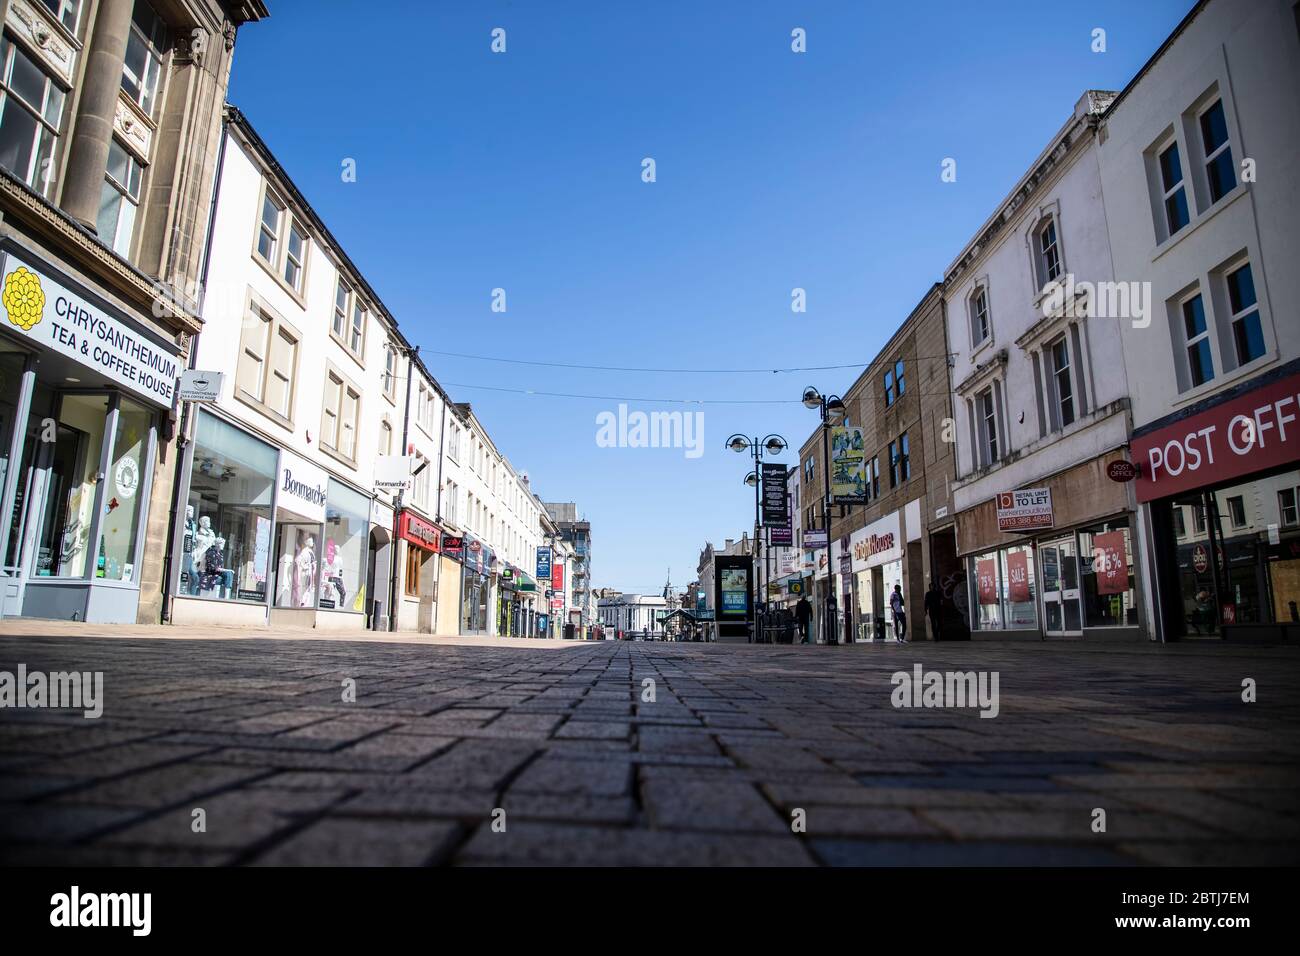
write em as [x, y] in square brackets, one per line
[984, 577]
[1004, 589]
[70, 492]
[297, 569]
[1107, 575]
[31, 111]
[343, 561]
[226, 544]
[123, 498]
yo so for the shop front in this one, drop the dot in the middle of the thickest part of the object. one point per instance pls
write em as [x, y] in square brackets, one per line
[266, 536]
[1055, 560]
[876, 565]
[84, 388]
[507, 603]
[476, 586]
[1219, 491]
[420, 542]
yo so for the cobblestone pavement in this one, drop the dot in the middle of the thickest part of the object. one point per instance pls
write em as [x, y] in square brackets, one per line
[738, 738]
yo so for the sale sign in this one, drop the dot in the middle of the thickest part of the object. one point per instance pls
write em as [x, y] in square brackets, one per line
[1257, 430]
[986, 575]
[1110, 562]
[1017, 576]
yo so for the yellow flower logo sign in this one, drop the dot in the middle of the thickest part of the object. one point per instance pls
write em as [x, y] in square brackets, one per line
[23, 298]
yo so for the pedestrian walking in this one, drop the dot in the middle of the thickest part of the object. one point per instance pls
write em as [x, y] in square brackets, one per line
[803, 614]
[900, 615]
[934, 611]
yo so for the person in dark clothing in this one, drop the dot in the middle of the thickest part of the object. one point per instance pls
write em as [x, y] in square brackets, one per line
[934, 611]
[803, 615]
[900, 614]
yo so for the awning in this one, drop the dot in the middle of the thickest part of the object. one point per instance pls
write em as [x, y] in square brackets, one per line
[524, 582]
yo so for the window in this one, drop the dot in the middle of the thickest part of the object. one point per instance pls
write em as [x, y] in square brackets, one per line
[343, 559]
[65, 11]
[453, 444]
[119, 199]
[1199, 361]
[342, 297]
[1247, 333]
[1062, 388]
[1180, 525]
[875, 477]
[268, 235]
[808, 468]
[1198, 519]
[1286, 503]
[905, 457]
[979, 316]
[143, 63]
[1174, 196]
[1237, 511]
[295, 255]
[898, 377]
[1219, 170]
[414, 559]
[357, 335]
[385, 438]
[390, 369]
[339, 417]
[268, 363]
[893, 383]
[225, 551]
[31, 109]
[1049, 255]
[986, 410]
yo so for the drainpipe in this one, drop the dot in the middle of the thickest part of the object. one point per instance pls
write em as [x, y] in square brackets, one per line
[182, 441]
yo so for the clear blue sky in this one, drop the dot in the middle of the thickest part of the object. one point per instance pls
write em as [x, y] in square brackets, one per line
[775, 170]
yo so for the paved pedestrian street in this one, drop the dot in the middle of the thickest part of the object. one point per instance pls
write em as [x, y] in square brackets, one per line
[656, 754]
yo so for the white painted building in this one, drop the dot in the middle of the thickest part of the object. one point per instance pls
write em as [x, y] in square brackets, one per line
[1199, 160]
[633, 613]
[1040, 399]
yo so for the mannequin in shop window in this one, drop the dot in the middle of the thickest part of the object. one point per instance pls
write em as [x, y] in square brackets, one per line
[189, 574]
[209, 559]
[305, 573]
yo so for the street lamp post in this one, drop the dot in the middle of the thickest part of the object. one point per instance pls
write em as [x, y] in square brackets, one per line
[774, 444]
[832, 410]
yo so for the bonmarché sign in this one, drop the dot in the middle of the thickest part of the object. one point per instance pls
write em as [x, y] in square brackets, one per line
[303, 487]
[61, 319]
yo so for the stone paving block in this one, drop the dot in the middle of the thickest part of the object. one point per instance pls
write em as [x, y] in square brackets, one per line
[413, 801]
[1073, 825]
[48, 823]
[336, 841]
[475, 765]
[607, 778]
[688, 804]
[665, 741]
[841, 852]
[595, 729]
[160, 787]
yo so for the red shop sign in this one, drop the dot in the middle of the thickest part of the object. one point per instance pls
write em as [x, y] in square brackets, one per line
[557, 577]
[419, 532]
[1110, 562]
[987, 576]
[1250, 433]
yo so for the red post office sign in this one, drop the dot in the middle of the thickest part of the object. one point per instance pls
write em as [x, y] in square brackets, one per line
[1255, 431]
[418, 532]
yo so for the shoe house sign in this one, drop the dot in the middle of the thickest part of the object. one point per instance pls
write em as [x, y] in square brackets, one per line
[1027, 510]
[63, 320]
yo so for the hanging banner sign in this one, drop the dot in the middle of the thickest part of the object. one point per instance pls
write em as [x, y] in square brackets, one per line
[848, 466]
[775, 510]
[814, 538]
[780, 537]
[199, 386]
[557, 577]
[543, 564]
[393, 473]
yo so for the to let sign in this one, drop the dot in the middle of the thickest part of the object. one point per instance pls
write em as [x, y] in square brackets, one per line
[1025, 510]
[1255, 431]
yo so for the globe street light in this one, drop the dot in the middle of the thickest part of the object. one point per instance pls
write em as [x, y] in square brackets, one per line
[832, 411]
[774, 444]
